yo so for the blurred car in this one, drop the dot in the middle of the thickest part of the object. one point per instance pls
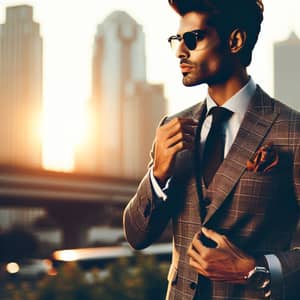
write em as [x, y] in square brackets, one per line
[102, 256]
[27, 268]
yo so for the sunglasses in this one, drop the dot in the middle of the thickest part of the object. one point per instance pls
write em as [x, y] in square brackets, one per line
[190, 39]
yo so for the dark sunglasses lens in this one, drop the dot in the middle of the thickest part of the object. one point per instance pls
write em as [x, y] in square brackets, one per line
[190, 40]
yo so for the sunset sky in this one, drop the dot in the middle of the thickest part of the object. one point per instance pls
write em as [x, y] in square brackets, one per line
[68, 28]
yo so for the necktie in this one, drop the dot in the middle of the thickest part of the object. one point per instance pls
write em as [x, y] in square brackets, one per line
[214, 146]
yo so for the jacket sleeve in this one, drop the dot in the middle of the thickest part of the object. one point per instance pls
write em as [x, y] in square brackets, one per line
[290, 260]
[145, 216]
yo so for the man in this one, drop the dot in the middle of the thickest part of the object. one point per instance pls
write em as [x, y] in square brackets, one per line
[225, 171]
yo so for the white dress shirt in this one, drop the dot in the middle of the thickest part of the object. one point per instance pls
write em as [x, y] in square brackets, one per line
[238, 104]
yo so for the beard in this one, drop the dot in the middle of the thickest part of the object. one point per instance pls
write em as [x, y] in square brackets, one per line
[193, 79]
[210, 75]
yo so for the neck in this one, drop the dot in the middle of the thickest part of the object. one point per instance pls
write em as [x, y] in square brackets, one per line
[222, 92]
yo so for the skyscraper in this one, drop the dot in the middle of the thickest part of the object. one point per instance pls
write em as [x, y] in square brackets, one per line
[287, 70]
[144, 108]
[20, 88]
[120, 96]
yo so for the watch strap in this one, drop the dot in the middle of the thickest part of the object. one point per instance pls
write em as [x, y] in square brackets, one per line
[276, 275]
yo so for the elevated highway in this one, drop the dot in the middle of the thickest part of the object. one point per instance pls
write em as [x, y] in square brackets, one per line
[31, 187]
[75, 201]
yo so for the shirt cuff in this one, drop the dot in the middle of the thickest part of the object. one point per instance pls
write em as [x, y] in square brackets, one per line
[276, 276]
[158, 190]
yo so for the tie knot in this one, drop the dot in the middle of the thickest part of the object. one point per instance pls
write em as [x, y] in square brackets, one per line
[220, 114]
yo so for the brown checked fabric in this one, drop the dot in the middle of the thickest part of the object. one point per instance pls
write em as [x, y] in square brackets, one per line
[257, 211]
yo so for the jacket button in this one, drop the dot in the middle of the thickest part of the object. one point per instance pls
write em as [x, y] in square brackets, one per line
[206, 201]
[193, 285]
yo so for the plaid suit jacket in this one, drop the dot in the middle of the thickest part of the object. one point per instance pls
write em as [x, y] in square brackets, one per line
[258, 212]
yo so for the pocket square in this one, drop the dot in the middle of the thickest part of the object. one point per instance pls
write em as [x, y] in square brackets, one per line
[264, 159]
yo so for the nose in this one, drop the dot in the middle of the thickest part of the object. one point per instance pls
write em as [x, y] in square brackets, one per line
[182, 51]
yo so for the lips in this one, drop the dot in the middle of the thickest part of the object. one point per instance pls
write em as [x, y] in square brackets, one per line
[185, 68]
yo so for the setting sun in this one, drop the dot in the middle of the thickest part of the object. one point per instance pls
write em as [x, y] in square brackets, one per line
[63, 129]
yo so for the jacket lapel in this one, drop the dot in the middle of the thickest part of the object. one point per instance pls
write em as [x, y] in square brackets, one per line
[257, 122]
[197, 114]
[185, 171]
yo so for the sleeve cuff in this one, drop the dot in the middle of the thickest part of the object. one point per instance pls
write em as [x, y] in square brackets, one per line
[275, 268]
[159, 191]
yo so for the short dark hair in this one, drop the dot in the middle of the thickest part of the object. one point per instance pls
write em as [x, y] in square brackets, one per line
[227, 15]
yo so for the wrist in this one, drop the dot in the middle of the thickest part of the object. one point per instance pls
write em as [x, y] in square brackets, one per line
[161, 180]
[249, 265]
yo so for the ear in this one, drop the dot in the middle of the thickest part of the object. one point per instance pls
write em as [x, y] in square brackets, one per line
[237, 40]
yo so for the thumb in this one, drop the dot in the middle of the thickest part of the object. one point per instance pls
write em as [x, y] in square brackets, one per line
[212, 235]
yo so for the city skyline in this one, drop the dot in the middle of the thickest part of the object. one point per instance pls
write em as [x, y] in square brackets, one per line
[287, 70]
[68, 29]
[124, 108]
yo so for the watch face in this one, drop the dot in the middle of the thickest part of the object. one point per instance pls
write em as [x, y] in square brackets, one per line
[259, 278]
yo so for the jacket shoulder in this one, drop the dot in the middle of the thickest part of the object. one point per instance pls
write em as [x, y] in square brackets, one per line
[189, 112]
[286, 112]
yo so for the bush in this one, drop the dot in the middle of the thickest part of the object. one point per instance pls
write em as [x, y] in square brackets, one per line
[139, 278]
[68, 284]
[142, 280]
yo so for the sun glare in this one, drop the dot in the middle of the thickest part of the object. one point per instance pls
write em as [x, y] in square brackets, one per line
[63, 129]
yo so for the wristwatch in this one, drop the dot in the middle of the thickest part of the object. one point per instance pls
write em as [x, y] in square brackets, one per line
[259, 277]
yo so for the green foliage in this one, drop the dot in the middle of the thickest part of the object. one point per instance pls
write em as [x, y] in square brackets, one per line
[144, 279]
[139, 278]
[68, 284]
[17, 291]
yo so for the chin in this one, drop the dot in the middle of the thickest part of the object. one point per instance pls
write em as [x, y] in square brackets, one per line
[191, 82]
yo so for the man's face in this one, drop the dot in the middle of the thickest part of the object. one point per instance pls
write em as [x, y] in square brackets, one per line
[210, 61]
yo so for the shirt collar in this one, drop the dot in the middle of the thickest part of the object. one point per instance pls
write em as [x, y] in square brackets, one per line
[239, 102]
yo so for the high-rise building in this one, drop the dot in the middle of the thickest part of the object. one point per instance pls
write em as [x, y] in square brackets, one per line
[20, 88]
[143, 109]
[126, 108]
[287, 71]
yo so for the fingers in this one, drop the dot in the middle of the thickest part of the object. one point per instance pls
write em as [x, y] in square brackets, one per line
[176, 125]
[178, 134]
[218, 238]
[198, 267]
[182, 121]
[224, 263]
[198, 247]
[180, 137]
[221, 240]
[195, 253]
[171, 138]
[197, 250]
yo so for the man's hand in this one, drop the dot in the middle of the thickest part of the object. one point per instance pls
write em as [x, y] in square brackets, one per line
[223, 263]
[171, 138]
